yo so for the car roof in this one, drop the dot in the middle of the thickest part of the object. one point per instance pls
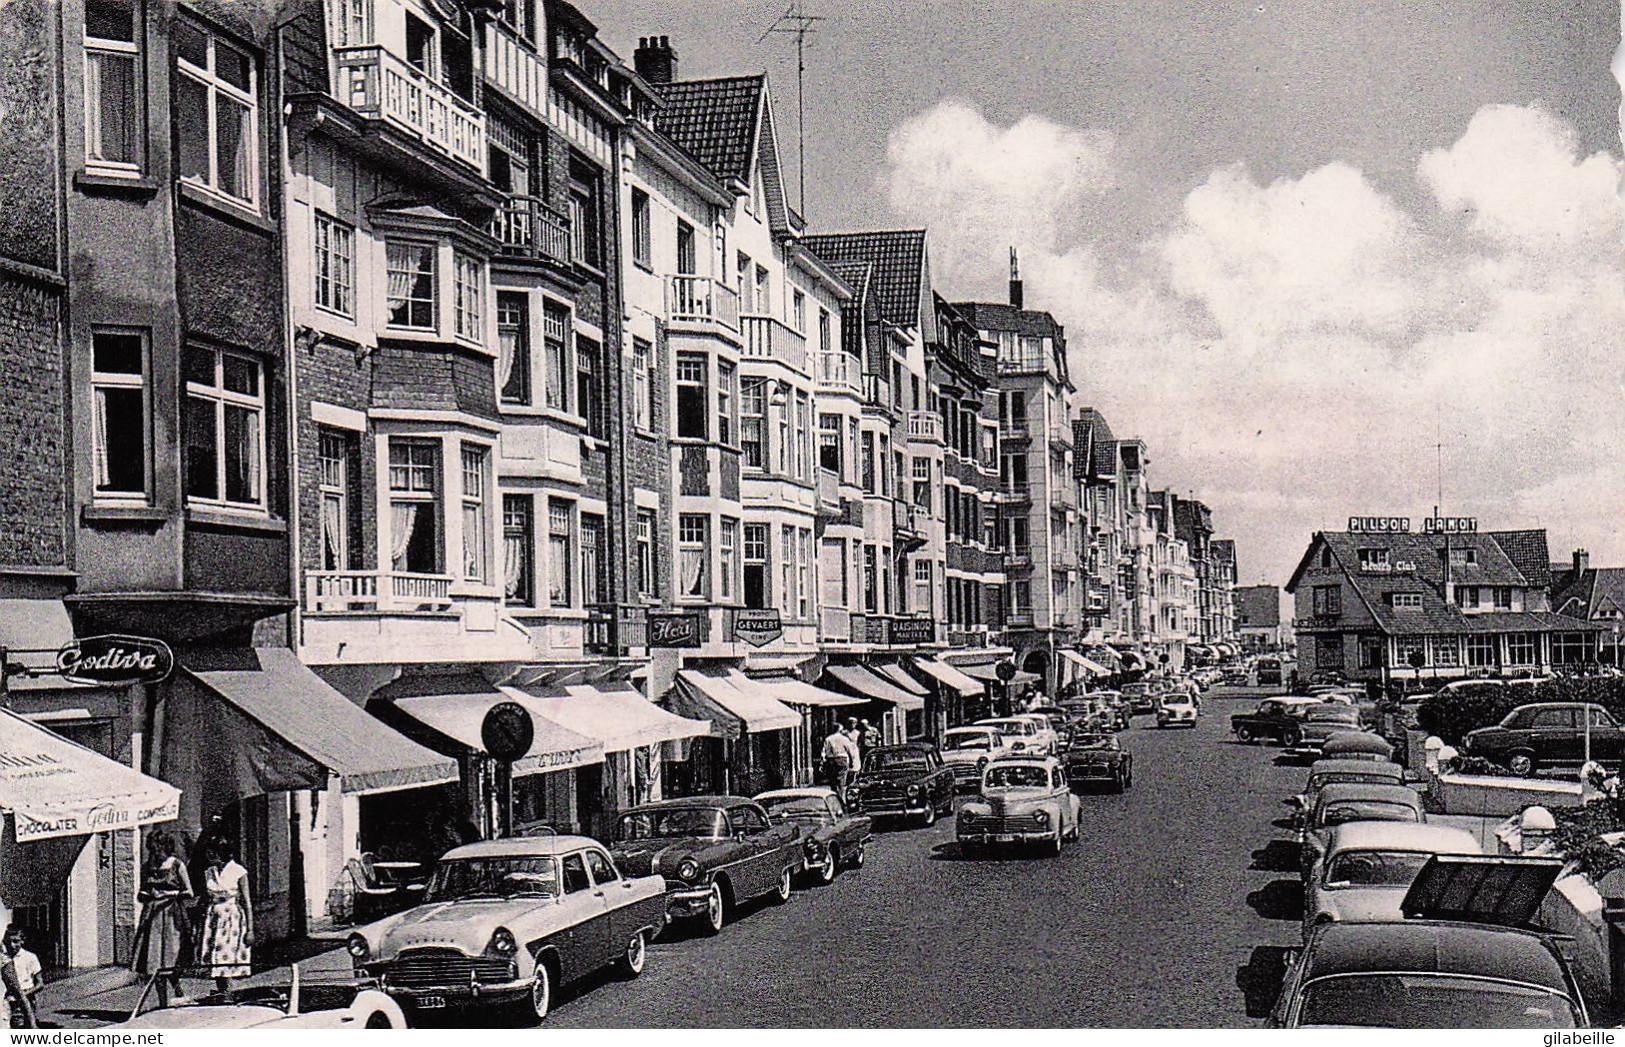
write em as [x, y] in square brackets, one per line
[1434, 946]
[1343, 792]
[1338, 766]
[521, 847]
[807, 792]
[691, 801]
[971, 729]
[1026, 761]
[1297, 699]
[1402, 836]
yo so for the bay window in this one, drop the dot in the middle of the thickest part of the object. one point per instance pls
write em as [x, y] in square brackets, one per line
[594, 561]
[476, 559]
[121, 442]
[803, 435]
[756, 576]
[559, 559]
[753, 422]
[725, 402]
[693, 556]
[513, 347]
[555, 343]
[215, 107]
[692, 396]
[224, 429]
[787, 561]
[113, 109]
[804, 568]
[518, 545]
[829, 443]
[414, 506]
[468, 296]
[728, 567]
[411, 291]
[589, 395]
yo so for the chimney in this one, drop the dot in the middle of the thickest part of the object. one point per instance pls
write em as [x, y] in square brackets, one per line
[1015, 280]
[655, 60]
[1582, 561]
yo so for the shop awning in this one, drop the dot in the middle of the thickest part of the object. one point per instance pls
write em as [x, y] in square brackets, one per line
[1105, 656]
[289, 706]
[758, 662]
[899, 676]
[618, 717]
[1088, 665]
[53, 787]
[950, 677]
[459, 717]
[878, 688]
[1200, 650]
[798, 692]
[733, 702]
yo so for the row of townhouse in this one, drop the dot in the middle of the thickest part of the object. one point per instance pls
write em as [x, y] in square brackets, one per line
[393, 359]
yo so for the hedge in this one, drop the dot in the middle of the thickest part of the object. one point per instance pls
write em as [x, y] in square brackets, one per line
[1451, 714]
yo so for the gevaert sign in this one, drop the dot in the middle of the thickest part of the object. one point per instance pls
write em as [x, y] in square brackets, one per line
[1379, 525]
[115, 660]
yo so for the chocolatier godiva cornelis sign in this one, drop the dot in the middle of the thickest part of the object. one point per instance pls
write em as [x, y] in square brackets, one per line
[115, 660]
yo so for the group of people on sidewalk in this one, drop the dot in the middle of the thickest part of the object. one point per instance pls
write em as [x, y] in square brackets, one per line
[180, 928]
[842, 754]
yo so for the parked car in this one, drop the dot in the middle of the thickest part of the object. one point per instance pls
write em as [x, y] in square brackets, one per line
[508, 921]
[1140, 698]
[1344, 803]
[1279, 719]
[1176, 709]
[966, 750]
[714, 852]
[1321, 723]
[1025, 800]
[1547, 734]
[1269, 672]
[840, 835]
[1097, 758]
[1357, 745]
[1046, 738]
[904, 781]
[1019, 733]
[328, 1000]
[1466, 955]
[1329, 772]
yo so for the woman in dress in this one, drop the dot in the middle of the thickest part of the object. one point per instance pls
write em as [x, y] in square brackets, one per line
[228, 917]
[162, 941]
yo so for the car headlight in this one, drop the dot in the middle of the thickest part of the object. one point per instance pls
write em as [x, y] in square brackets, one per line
[1041, 817]
[358, 947]
[688, 870]
[914, 790]
[502, 942]
[815, 850]
[981, 762]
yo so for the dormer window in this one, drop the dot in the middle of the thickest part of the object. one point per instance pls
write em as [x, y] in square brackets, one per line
[1461, 557]
[1370, 558]
[1406, 601]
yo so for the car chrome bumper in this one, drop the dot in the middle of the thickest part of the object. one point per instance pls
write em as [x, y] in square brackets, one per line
[459, 993]
[1016, 837]
[687, 901]
[894, 812]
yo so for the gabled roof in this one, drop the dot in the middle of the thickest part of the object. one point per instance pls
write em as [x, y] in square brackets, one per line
[714, 121]
[1527, 551]
[1090, 430]
[898, 267]
[997, 316]
[1596, 592]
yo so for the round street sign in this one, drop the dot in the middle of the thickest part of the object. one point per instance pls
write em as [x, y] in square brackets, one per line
[1006, 671]
[507, 731]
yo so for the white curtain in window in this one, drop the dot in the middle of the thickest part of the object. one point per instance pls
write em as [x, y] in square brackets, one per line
[693, 571]
[333, 532]
[99, 422]
[403, 518]
[400, 279]
[247, 455]
[507, 355]
[513, 551]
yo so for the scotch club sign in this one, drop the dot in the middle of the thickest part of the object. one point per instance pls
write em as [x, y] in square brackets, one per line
[115, 661]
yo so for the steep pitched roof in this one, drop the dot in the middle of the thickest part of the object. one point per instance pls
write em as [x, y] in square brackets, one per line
[997, 316]
[1090, 430]
[1528, 553]
[897, 257]
[714, 121]
[1597, 592]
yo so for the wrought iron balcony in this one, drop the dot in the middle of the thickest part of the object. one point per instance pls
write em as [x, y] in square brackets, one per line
[378, 85]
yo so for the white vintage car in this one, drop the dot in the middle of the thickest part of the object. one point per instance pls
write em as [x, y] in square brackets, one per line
[508, 921]
[967, 750]
[271, 1000]
[1025, 799]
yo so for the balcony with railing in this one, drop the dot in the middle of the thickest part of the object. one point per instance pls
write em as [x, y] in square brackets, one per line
[367, 617]
[925, 426]
[876, 391]
[380, 86]
[370, 592]
[701, 300]
[529, 228]
[769, 338]
[839, 372]
[1013, 430]
[1016, 492]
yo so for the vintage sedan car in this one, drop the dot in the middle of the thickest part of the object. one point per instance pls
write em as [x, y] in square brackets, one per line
[904, 781]
[1548, 734]
[1367, 867]
[1025, 800]
[1345, 802]
[1465, 955]
[1021, 733]
[966, 750]
[714, 853]
[1140, 697]
[508, 922]
[1320, 723]
[1097, 758]
[838, 835]
[1176, 709]
[1041, 719]
[1280, 719]
[290, 1000]
[1327, 772]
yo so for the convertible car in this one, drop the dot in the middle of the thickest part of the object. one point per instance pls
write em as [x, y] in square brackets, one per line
[326, 1000]
[508, 921]
[839, 834]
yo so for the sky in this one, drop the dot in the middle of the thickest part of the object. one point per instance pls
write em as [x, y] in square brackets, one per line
[1326, 258]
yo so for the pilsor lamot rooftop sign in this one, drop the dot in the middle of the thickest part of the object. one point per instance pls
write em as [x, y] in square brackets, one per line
[1402, 525]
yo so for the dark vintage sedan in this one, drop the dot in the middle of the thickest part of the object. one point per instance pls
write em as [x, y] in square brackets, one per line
[1097, 758]
[1465, 956]
[840, 836]
[904, 781]
[714, 851]
[1547, 734]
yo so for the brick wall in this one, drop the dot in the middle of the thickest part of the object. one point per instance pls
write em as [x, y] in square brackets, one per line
[28, 155]
[33, 496]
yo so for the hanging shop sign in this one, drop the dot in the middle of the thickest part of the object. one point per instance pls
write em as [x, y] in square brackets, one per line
[757, 627]
[913, 630]
[674, 630]
[115, 661]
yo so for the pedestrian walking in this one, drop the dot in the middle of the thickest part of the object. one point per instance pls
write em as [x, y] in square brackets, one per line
[163, 938]
[838, 759]
[227, 941]
[869, 738]
[24, 996]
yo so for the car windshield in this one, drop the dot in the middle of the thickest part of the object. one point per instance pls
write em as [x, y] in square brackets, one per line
[1367, 811]
[1093, 741]
[960, 742]
[1334, 714]
[672, 823]
[808, 810]
[502, 877]
[896, 760]
[1432, 1001]
[1375, 868]
[1017, 778]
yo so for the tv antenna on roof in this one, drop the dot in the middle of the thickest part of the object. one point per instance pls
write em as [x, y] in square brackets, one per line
[795, 22]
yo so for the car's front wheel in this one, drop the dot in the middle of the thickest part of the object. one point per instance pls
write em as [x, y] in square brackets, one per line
[929, 818]
[541, 992]
[1244, 735]
[825, 873]
[1522, 764]
[716, 913]
[781, 893]
[636, 954]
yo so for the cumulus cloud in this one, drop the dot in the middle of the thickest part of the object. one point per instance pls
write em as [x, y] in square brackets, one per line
[1293, 351]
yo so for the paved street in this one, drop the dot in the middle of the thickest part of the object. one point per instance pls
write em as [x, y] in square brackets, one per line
[1150, 920]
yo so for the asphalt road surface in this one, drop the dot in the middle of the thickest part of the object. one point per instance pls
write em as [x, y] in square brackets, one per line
[1172, 911]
